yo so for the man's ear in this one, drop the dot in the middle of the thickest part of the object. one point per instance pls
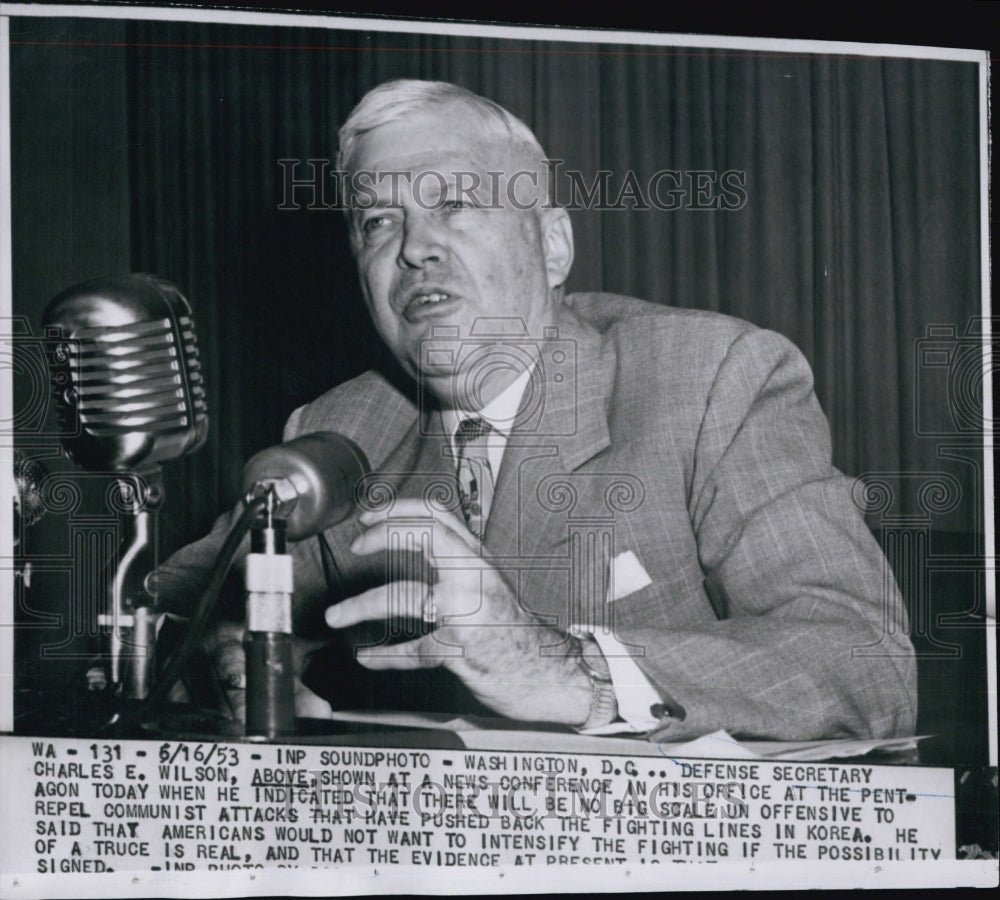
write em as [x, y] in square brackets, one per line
[557, 241]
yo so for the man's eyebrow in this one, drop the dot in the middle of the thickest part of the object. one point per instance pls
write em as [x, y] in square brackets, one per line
[367, 204]
[379, 203]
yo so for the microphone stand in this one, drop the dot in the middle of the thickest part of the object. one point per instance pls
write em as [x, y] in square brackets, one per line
[129, 622]
[270, 670]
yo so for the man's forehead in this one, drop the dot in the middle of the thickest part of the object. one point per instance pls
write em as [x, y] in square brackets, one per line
[447, 140]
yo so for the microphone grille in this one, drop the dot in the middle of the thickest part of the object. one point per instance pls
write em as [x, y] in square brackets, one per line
[127, 372]
[144, 376]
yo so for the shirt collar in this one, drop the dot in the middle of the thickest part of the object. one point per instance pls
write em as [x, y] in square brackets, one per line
[500, 412]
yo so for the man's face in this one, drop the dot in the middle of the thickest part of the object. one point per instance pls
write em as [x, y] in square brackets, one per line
[439, 244]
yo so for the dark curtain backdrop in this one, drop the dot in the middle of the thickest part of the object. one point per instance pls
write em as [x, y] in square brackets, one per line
[859, 228]
[156, 146]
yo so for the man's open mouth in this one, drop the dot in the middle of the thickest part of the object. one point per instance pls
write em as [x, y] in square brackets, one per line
[432, 297]
[428, 303]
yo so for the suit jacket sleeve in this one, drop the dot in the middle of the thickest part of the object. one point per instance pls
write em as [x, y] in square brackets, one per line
[811, 640]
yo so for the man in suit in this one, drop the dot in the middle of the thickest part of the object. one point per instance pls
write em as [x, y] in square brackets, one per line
[623, 516]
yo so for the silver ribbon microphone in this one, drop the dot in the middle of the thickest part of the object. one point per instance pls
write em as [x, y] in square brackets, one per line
[129, 388]
[126, 372]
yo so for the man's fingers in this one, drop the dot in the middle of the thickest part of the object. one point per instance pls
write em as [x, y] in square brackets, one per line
[398, 599]
[396, 656]
[230, 665]
[237, 700]
[225, 645]
[229, 662]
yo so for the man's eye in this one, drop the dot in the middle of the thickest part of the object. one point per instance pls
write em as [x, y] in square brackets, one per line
[373, 224]
[458, 205]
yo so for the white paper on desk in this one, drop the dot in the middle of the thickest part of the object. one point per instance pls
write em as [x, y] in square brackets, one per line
[816, 750]
[400, 719]
[477, 733]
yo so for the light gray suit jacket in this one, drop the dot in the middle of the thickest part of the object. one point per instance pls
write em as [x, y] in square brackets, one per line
[694, 442]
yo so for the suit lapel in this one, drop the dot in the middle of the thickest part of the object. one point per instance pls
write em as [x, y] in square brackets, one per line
[561, 426]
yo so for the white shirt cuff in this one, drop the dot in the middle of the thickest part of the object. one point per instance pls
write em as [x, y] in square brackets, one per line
[633, 690]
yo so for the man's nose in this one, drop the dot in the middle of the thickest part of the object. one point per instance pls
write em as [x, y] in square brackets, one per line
[422, 242]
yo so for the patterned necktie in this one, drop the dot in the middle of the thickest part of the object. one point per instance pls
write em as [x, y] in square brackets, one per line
[475, 476]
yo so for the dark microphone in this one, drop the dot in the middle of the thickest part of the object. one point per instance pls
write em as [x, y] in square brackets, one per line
[314, 478]
[126, 372]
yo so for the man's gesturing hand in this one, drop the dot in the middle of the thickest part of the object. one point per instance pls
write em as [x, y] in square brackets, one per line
[484, 636]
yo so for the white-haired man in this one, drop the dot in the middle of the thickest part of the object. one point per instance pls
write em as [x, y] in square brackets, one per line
[645, 531]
